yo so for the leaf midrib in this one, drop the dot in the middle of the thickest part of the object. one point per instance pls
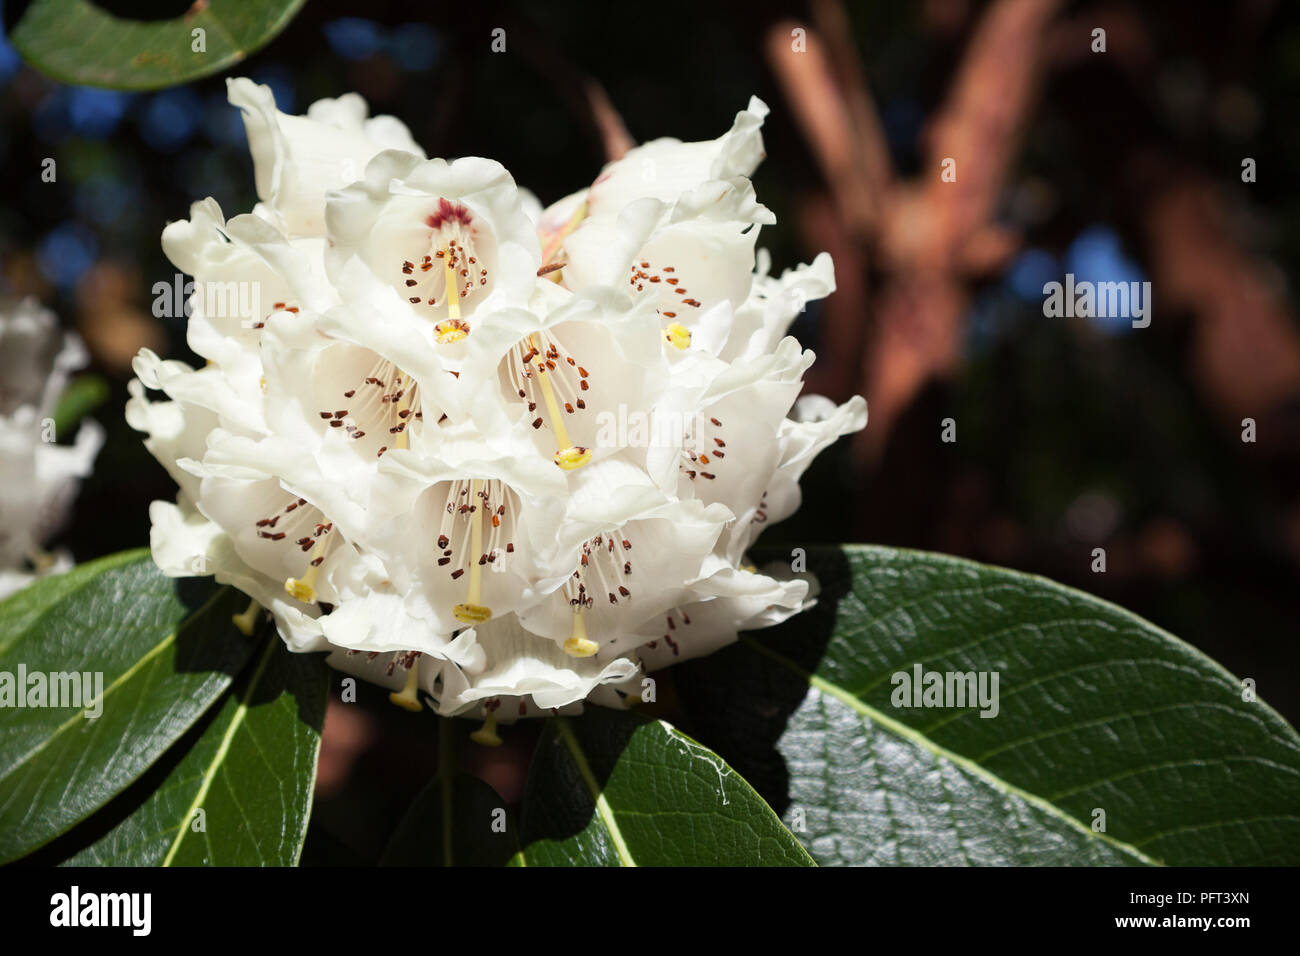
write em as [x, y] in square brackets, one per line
[223, 748]
[603, 809]
[126, 675]
[914, 736]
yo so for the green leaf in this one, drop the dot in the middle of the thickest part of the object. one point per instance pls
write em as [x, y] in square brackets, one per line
[1099, 710]
[451, 823]
[75, 41]
[83, 395]
[238, 790]
[615, 789]
[166, 651]
[457, 820]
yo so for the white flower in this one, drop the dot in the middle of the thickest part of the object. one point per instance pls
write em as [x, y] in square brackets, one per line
[298, 159]
[38, 478]
[679, 220]
[448, 239]
[500, 456]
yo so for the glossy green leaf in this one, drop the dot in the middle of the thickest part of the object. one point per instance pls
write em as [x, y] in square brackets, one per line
[1099, 713]
[615, 789]
[75, 41]
[237, 791]
[165, 650]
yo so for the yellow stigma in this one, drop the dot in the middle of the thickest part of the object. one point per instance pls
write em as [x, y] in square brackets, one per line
[487, 734]
[408, 697]
[573, 457]
[578, 644]
[569, 456]
[472, 611]
[247, 621]
[304, 588]
[678, 336]
[450, 331]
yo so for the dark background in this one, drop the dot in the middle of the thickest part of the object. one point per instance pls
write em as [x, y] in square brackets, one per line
[1072, 433]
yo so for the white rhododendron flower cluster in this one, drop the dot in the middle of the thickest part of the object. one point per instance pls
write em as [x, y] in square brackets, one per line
[501, 457]
[38, 478]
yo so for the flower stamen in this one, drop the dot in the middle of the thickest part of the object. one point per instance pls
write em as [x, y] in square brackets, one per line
[482, 504]
[408, 698]
[603, 562]
[389, 402]
[453, 328]
[487, 736]
[473, 611]
[672, 298]
[450, 272]
[702, 451]
[529, 363]
[304, 588]
[247, 621]
[578, 644]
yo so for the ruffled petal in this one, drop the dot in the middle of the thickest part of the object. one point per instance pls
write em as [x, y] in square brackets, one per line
[298, 159]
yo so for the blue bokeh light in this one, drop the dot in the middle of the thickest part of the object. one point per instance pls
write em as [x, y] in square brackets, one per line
[170, 118]
[1030, 271]
[415, 47]
[1097, 255]
[81, 111]
[281, 82]
[10, 61]
[66, 252]
[354, 38]
[106, 201]
[94, 113]
[223, 123]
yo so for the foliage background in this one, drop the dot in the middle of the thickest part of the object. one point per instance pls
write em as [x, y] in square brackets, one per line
[1072, 434]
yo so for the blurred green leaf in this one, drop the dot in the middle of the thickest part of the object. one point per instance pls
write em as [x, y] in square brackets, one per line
[74, 41]
[457, 820]
[615, 789]
[166, 651]
[83, 395]
[1098, 710]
